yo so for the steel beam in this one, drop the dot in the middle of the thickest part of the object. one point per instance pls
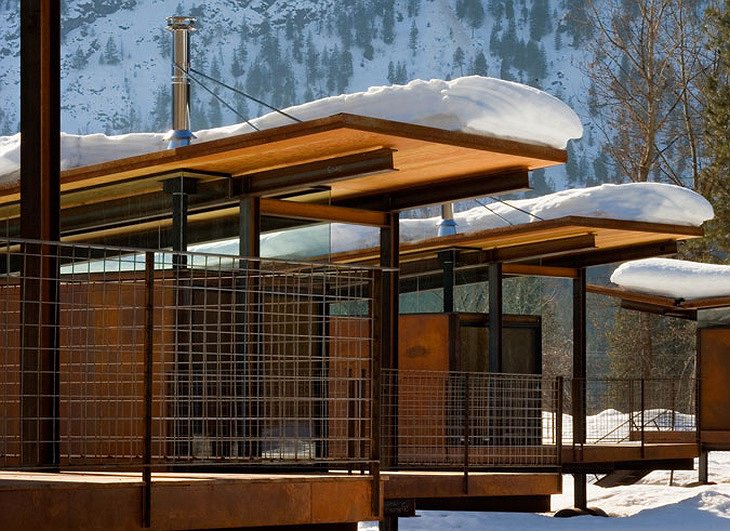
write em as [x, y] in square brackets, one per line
[456, 189]
[40, 117]
[303, 176]
[616, 254]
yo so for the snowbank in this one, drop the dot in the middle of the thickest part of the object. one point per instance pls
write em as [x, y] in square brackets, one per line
[678, 279]
[650, 202]
[473, 104]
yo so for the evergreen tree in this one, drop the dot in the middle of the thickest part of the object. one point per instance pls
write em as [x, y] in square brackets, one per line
[160, 115]
[459, 59]
[413, 38]
[714, 181]
[79, 59]
[111, 55]
[479, 67]
[240, 102]
[236, 68]
[540, 24]
[413, 7]
[388, 32]
[391, 73]
[215, 117]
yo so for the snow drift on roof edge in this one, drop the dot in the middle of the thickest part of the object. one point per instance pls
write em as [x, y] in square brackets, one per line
[678, 279]
[473, 104]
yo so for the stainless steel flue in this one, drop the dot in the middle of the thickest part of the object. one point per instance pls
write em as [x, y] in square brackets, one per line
[447, 227]
[181, 27]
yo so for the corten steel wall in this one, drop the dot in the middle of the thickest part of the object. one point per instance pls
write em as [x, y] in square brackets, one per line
[714, 361]
[101, 369]
[241, 365]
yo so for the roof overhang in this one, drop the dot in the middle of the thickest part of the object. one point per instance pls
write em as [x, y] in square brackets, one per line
[559, 246]
[657, 304]
[343, 160]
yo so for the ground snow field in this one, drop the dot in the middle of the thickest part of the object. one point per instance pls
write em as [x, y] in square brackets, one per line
[650, 504]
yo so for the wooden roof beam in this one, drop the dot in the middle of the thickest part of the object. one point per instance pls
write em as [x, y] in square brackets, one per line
[456, 189]
[299, 177]
[617, 254]
[317, 212]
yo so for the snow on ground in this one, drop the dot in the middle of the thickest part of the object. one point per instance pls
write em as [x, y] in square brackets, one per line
[472, 104]
[650, 202]
[650, 504]
[678, 279]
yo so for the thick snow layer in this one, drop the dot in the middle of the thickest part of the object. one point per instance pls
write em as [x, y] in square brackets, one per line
[653, 503]
[678, 279]
[473, 104]
[651, 202]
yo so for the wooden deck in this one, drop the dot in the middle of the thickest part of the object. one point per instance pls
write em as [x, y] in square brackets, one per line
[109, 501]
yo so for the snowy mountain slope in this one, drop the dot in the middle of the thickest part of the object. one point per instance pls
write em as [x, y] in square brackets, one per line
[115, 55]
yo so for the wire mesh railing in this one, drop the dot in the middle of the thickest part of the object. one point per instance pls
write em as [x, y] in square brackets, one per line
[621, 411]
[118, 357]
[469, 420]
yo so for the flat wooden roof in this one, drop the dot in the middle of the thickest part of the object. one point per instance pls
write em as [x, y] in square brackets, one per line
[422, 155]
[571, 241]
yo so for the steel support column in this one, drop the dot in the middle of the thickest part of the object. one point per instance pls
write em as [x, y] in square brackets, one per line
[40, 118]
[390, 257]
[180, 188]
[248, 300]
[579, 379]
[495, 317]
[448, 264]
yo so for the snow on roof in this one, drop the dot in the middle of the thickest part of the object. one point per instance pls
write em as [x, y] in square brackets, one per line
[649, 202]
[474, 104]
[677, 279]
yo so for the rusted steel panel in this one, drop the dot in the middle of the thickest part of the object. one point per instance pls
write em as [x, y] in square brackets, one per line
[714, 360]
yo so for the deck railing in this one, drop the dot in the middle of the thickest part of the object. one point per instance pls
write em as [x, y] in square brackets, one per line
[454, 420]
[633, 410]
[162, 358]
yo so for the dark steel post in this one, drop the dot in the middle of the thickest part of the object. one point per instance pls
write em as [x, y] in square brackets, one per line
[467, 429]
[579, 379]
[248, 302]
[148, 368]
[389, 258]
[376, 387]
[495, 317]
[40, 116]
[448, 263]
[703, 467]
[643, 408]
[179, 189]
[559, 383]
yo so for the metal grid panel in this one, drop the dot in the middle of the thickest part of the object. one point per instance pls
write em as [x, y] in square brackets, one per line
[252, 361]
[621, 410]
[470, 420]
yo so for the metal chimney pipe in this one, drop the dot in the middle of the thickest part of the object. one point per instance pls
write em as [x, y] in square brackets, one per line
[181, 27]
[447, 227]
